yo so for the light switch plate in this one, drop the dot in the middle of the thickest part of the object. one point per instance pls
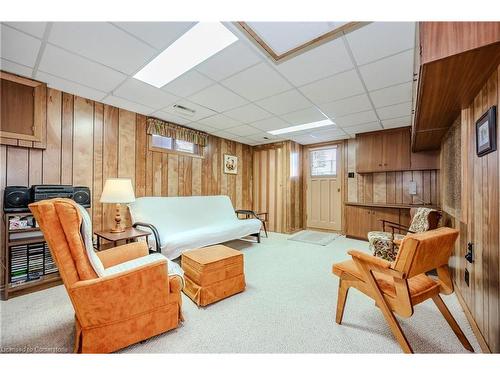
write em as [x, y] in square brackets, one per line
[412, 188]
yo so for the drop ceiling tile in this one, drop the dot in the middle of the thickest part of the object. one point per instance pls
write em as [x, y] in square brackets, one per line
[320, 62]
[347, 106]
[272, 123]
[248, 113]
[285, 102]
[257, 82]
[18, 47]
[305, 139]
[33, 28]
[70, 87]
[397, 122]
[128, 105]
[12, 67]
[380, 39]
[372, 126]
[188, 84]
[339, 86]
[389, 71]
[243, 130]
[220, 122]
[140, 92]
[226, 135]
[200, 111]
[356, 119]
[201, 127]
[304, 116]
[392, 95]
[331, 132]
[264, 137]
[393, 111]
[170, 117]
[157, 34]
[63, 64]
[218, 98]
[104, 43]
[229, 61]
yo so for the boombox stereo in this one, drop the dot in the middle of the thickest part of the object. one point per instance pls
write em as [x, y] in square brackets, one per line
[80, 194]
[17, 198]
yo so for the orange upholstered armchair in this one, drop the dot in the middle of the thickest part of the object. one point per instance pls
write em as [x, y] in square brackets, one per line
[398, 286]
[122, 295]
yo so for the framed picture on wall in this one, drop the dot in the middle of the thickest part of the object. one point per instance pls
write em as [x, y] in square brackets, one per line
[230, 164]
[486, 132]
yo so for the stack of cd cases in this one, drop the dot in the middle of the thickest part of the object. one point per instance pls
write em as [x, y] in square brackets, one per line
[30, 262]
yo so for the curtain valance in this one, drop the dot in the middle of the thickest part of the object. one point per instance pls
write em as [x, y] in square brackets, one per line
[167, 129]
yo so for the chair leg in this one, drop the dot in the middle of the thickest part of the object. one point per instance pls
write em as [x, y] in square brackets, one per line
[396, 329]
[387, 312]
[342, 298]
[452, 322]
[265, 229]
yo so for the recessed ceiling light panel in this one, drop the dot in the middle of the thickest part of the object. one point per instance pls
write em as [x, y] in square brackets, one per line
[297, 128]
[200, 42]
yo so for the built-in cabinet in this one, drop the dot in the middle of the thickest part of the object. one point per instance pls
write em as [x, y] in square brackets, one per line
[362, 219]
[383, 151]
[389, 150]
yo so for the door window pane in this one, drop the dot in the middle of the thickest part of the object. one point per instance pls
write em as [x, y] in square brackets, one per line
[324, 162]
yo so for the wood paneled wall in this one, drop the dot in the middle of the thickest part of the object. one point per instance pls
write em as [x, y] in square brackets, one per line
[277, 185]
[390, 187]
[477, 217]
[88, 142]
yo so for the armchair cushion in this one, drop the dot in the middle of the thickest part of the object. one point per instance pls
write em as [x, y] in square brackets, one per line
[174, 270]
[86, 232]
[381, 244]
[417, 285]
[420, 222]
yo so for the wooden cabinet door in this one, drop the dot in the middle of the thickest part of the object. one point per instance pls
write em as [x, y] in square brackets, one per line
[396, 150]
[382, 213]
[369, 153]
[358, 222]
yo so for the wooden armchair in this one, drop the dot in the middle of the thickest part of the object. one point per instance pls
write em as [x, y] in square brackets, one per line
[398, 286]
[122, 295]
[385, 244]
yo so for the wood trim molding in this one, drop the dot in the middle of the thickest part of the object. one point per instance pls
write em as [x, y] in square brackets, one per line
[331, 35]
[480, 339]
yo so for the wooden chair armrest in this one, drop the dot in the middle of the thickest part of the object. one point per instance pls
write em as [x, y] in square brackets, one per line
[120, 296]
[123, 253]
[399, 227]
[248, 213]
[374, 264]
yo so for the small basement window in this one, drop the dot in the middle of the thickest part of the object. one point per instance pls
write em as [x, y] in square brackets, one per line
[324, 162]
[166, 144]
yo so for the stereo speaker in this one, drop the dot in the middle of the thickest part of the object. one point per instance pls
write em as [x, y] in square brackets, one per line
[81, 195]
[16, 198]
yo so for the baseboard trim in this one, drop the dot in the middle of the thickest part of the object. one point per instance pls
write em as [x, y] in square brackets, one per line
[475, 329]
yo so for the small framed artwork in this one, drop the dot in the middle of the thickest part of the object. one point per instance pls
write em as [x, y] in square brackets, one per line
[230, 164]
[486, 132]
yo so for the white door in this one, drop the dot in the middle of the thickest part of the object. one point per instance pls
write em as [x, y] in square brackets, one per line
[324, 198]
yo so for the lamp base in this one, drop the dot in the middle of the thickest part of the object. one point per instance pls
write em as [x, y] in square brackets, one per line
[118, 227]
[117, 230]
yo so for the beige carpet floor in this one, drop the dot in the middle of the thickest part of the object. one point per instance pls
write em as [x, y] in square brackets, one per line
[288, 307]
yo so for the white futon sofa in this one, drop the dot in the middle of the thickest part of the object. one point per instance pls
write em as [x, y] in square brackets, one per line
[184, 223]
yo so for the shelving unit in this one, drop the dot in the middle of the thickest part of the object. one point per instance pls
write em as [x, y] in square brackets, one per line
[46, 280]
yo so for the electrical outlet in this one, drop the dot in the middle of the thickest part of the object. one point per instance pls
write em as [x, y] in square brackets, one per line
[412, 188]
[466, 277]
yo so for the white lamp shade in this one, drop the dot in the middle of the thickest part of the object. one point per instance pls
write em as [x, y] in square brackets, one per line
[118, 190]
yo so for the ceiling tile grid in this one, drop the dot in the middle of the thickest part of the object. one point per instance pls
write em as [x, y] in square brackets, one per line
[361, 81]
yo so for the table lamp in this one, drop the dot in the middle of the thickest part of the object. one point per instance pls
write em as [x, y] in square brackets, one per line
[117, 191]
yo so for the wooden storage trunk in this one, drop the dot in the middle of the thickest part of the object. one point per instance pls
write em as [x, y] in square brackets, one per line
[212, 273]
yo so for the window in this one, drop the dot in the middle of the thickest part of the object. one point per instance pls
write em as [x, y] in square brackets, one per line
[167, 143]
[324, 162]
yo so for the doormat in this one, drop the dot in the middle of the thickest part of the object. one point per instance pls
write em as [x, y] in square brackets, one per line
[315, 238]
